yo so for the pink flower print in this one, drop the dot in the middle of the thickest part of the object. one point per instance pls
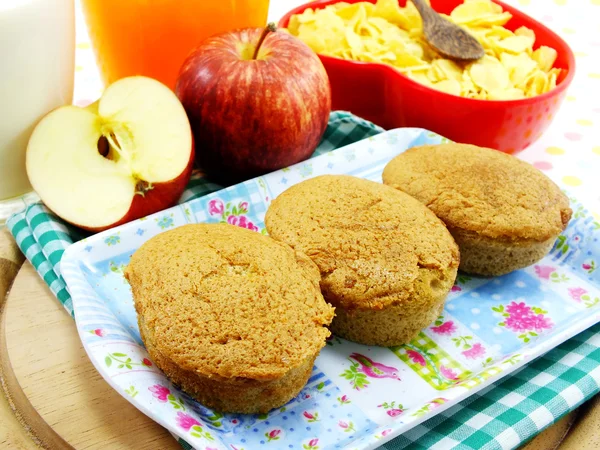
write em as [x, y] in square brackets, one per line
[310, 416]
[519, 323]
[245, 223]
[477, 351]
[186, 421]
[211, 448]
[448, 373]
[344, 399]
[273, 435]
[520, 317]
[393, 409]
[576, 293]
[215, 207]
[312, 444]
[456, 288]
[244, 206]
[540, 323]
[98, 332]
[384, 433]
[525, 319]
[518, 310]
[446, 329]
[437, 402]
[416, 357]
[544, 271]
[160, 392]
[241, 221]
[394, 412]
[147, 362]
[590, 266]
[346, 426]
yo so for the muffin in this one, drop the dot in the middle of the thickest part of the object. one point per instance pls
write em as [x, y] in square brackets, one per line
[503, 213]
[233, 317]
[386, 261]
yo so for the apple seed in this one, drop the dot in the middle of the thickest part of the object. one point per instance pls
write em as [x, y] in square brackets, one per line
[103, 146]
[109, 147]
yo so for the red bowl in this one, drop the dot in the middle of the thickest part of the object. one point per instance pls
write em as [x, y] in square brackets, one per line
[381, 94]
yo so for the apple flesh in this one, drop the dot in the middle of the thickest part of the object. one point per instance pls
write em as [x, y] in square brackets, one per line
[258, 100]
[128, 155]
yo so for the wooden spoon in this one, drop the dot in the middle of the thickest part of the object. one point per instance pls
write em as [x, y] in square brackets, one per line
[448, 39]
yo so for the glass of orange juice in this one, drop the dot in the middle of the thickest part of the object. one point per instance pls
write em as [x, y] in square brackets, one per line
[153, 37]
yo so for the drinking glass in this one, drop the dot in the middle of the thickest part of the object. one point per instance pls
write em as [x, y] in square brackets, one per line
[153, 37]
[37, 54]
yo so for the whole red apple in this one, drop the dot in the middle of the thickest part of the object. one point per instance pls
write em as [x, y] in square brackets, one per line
[257, 99]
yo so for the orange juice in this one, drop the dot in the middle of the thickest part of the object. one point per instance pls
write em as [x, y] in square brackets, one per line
[153, 37]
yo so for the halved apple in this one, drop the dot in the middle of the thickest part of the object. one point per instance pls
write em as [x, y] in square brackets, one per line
[123, 157]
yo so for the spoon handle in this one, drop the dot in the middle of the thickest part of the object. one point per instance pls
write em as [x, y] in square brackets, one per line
[427, 13]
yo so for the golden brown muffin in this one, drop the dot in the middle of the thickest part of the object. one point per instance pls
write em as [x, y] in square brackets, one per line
[503, 213]
[387, 263]
[233, 317]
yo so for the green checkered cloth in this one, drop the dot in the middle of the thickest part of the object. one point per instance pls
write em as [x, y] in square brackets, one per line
[502, 416]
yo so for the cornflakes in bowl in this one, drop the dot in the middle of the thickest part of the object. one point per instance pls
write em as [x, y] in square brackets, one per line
[381, 68]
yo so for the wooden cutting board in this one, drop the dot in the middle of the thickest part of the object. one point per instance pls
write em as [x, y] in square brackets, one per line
[57, 400]
[60, 399]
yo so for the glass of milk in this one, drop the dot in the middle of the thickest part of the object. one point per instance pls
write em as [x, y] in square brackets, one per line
[37, 57]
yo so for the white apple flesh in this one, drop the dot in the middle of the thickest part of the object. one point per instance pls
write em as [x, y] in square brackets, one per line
[126, 156]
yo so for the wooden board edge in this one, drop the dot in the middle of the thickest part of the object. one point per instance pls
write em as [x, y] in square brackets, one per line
[9, 251]
[552, 437]
[34, 425]
[585, 433]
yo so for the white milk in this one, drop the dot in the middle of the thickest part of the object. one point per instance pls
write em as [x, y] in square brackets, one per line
[37, 55]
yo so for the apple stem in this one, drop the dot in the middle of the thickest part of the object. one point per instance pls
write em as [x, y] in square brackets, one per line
[270, 28]
[141, 187]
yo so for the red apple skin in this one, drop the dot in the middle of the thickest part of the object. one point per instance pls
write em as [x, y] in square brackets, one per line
[253, 116]
[162, 196]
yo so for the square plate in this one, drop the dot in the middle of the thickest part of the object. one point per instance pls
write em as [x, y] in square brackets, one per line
[358, 397]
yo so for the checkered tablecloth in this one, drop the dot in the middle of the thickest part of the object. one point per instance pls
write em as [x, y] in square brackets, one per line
[516, 408]
[502, 416]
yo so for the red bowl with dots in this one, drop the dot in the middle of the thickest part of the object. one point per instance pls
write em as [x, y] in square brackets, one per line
[381, 94]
